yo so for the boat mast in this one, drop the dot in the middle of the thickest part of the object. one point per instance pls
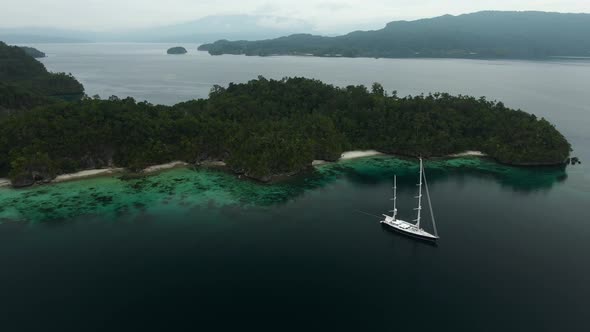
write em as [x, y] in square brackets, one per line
[429, 203]
[394, 196]
[419, 197]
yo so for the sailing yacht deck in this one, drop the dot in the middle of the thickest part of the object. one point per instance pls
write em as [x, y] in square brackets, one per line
[407, 228]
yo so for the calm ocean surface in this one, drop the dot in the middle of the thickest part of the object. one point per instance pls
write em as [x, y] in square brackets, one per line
[193, 248]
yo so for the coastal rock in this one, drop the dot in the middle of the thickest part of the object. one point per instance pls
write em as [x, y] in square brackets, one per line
[329, 157]
[91, 162]
[22, 180]
[177, 50]
[42, 177]
[40, 174]
[573, 161]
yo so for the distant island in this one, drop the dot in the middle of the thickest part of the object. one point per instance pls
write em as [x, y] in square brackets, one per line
[177, 50]
[488, 34]
[261, 129]
[35, 53]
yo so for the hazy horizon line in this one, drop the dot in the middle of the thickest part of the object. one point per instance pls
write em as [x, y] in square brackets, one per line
[343, 26]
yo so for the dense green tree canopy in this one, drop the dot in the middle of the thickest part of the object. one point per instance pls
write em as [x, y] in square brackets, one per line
[268, 127]
[25, 82]
[35, 53]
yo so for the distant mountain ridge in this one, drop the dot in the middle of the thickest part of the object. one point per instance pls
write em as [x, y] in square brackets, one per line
[487, 34]
[206, 29]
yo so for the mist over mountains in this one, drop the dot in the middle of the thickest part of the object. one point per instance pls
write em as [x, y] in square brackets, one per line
[207, 29]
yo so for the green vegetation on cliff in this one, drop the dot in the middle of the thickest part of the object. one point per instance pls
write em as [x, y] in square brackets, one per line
[479, 35]
[268, 127]
[24, 81]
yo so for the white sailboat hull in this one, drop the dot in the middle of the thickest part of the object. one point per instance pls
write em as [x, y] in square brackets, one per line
[407, 228]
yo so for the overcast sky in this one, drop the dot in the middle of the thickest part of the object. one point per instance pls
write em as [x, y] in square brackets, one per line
[324, 15]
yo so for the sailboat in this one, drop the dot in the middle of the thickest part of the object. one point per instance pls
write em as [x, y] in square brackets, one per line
[407, 228]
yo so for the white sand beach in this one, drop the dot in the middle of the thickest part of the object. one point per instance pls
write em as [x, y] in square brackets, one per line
[468, 154]
[156, 168]
[86, 174]
[359, 154]
[368, 153]
[319, 162]
[213, 163]
[349, 155]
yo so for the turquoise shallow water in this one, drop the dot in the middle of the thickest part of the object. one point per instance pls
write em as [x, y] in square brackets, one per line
[180, 190]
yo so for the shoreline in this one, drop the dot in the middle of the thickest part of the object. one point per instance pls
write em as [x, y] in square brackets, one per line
[468, 153]
[346, 155]
[89, 173]
[99, 172]
[163, 167]
[355, 154]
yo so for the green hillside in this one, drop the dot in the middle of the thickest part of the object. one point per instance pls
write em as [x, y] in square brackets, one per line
[479, 35]
[24, 81]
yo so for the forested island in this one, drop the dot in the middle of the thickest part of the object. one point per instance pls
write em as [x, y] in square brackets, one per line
[489, 34]
[262, 128]
[177, 50]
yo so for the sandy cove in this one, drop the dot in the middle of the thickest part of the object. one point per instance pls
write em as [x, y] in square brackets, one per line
[4, 183]
[86, 174]
[470, 153]
[368, 153]
[109, 171]
[349, 155]
[90, 173]
[359, 154]
[162, 167]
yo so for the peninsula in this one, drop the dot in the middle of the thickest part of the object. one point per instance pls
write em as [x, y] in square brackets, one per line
[261, 129]
[488, 34]
[35, 53]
